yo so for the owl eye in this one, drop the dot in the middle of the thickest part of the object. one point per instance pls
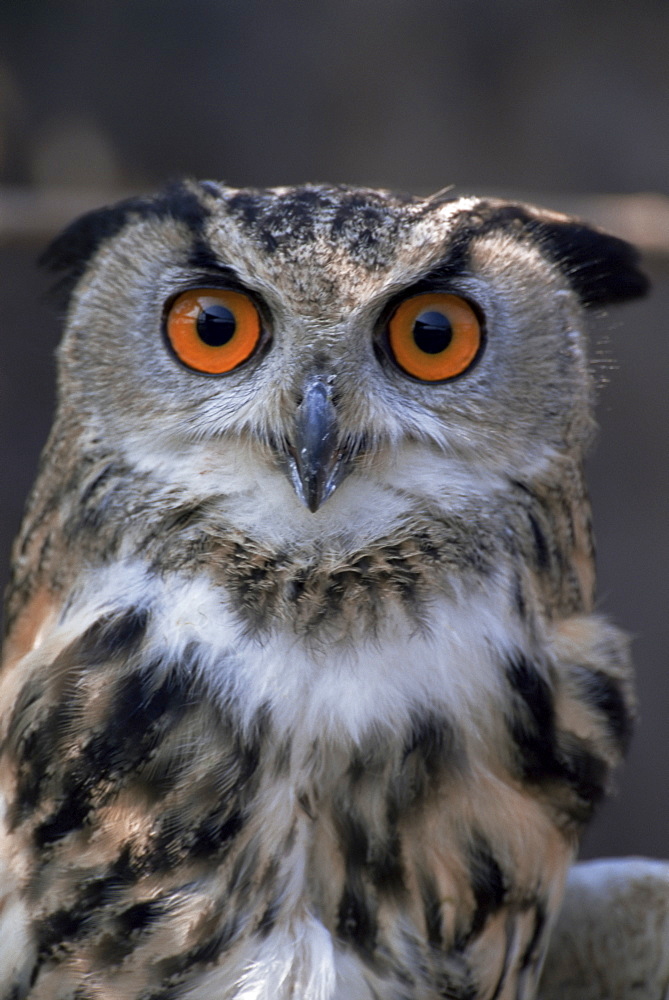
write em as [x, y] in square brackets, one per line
[434, 336]
[213, 330]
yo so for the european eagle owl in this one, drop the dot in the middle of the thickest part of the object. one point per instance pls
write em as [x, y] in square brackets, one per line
[304, 692]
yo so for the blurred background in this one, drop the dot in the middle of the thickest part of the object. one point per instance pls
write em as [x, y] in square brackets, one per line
[560, 102]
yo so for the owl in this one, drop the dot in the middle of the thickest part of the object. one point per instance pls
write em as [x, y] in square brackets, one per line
[304, 693]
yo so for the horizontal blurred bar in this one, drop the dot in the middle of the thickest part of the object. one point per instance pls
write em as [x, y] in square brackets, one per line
[35, 215]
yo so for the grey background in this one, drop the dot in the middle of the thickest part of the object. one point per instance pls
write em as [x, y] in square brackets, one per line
[554, 100]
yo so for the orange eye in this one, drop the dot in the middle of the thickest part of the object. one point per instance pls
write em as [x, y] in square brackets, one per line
[213, 330]
[435, 336]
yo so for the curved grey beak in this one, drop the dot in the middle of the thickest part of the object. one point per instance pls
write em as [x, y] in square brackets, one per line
[316, 463]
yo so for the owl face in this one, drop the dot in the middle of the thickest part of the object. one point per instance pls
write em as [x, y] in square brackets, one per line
[331, 351]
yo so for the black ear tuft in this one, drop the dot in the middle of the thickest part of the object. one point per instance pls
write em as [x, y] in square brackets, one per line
[71, 251]
[600, 268]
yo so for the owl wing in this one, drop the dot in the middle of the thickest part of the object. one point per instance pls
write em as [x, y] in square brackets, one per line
[122, 785]
[612, 937]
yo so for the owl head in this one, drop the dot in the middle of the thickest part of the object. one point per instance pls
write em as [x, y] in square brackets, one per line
[328, 352]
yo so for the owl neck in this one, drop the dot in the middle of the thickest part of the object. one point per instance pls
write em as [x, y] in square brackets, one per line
[92, 511]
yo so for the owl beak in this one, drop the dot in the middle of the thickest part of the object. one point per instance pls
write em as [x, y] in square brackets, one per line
[316, 461]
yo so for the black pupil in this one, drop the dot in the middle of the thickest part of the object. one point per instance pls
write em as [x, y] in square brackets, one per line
[216, 325]
[432, 332]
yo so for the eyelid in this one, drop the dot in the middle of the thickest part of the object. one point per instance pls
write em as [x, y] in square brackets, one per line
[207, 279]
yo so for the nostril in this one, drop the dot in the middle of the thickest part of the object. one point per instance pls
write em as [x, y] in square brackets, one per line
[317, 395]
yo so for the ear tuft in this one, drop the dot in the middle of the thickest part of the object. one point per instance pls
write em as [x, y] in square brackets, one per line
[70, 252]
[600, 268]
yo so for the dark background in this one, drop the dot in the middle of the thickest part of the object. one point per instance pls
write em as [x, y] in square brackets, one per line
[557, 101]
